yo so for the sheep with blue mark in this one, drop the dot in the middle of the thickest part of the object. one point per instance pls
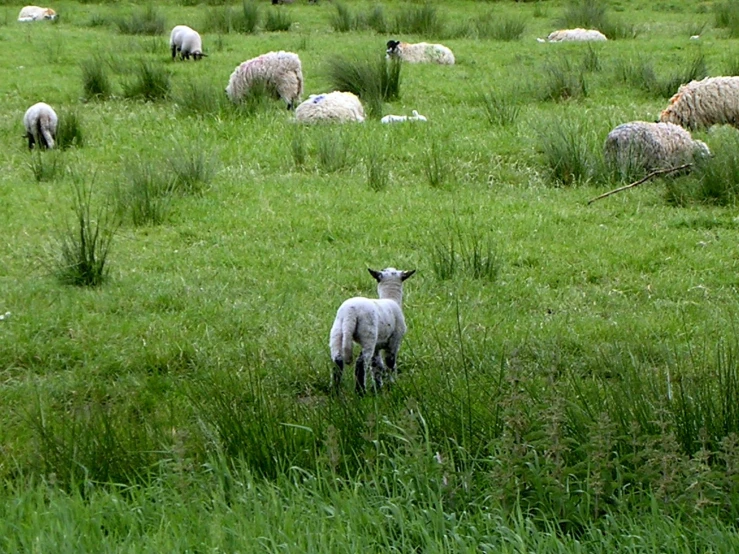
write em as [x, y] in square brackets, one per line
[336, 107]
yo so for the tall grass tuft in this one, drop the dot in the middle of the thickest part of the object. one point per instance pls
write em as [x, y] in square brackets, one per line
[95, 81]
[378, 174]
[200, 98]
[151, 81]
[726, 16]
[69, 130]
[376, 20]
[470, 253]
[229, 19]
[590, 14]
[419, 20]
[375, 80]
[344, 20]
[45, 166]
[299, 150]
[436, 166]
[146, 194]
[500, 111]
[641, 74]
[563, 81]
[570, 153]
[146, 21]
[497, 28]
[192, 169]
[277, 21]
[332, 151]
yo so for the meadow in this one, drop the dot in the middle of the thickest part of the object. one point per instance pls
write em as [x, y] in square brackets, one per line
[569, 381]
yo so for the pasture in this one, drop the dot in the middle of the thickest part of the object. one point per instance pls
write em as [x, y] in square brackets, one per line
[569, 377]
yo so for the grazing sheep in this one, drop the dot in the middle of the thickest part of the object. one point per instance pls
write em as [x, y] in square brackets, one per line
[187, 42]
[335, 106]
[700, 104]
[281, 72]
[40, 121]
[576, 35]
[375, 324]
[34, 13]
[401, 118]
[650, 146]
[421, 52]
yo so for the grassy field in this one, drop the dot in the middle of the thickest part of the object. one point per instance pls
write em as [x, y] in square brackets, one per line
[569, 380]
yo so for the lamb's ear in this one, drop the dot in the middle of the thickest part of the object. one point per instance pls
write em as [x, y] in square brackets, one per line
[376, 274]
[406, 274]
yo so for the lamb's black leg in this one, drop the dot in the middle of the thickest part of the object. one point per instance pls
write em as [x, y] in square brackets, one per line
[338, 371]
[31, 141]
[360, 387]
[390, 361]
[378, 371]
[174, 53]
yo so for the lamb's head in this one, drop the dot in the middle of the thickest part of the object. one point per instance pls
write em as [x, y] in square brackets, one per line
[390, 282]
[49, 14]
[392, 47]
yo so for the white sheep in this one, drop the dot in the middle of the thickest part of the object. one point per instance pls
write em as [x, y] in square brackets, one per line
[647, 146]
[576, 35]
[700, 104]
[281, 72]
[377, 325]
[334, 106]
[402, 118]
[187, 42]
[421, 52]
[40, 121]
[34, 13]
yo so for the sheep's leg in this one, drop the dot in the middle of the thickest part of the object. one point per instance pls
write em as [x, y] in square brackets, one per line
[31, 140]
[174, 52]
[390, 358]
[360, 386]
[338, 371]
[378, 370]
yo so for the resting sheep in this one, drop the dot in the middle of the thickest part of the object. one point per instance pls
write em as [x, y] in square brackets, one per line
[700, 104]
[34, 13]
[647, 146]
[402, 118]
[40, 121]
[281, 72]
[187, 42]
[421, 52]
[376, 325]
[576, 35]
[335, 106]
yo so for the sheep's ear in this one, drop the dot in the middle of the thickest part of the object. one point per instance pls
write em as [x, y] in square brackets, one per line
[376, 274]
[407, 274]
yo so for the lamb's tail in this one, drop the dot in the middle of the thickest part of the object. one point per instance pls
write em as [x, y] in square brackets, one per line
[342, 334]
[44, 130]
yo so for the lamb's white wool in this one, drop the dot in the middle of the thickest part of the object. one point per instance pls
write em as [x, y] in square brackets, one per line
[34, 13]
[576, 35]
[647, 146]
[335, 106]
[40, 121]
[377, 325]
[281, 72]
[421, 52]
[700, 104]
[402, 118]
[187, 42]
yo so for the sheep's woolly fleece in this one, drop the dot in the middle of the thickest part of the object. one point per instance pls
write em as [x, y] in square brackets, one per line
[700, 104]
[35, 13]
[402, 118]
[40, 121]
[576, 35]
[281, 72]
[332, 107]
[421, 52]
[648, 146]
[187, 42]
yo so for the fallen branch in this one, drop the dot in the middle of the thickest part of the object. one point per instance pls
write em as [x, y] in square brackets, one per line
[640, 181]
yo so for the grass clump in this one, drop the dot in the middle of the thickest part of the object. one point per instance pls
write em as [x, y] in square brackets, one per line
[151, 81]
[641, 74]
[228, 19]
[563, 81]
[69, 130]
[145, 195]
[344, 20]
[726, 16]
[332, 151]
[436, 166]
[570, 154]
[375, 80]
[497, 28]
[147, 21]
[45, 166]
[419, 20]
[96, 84]
[593, 14]
[277, 21]
[192, 170]
[499, 111]
[200, 98]
[470, 253]
[378, 174]
[299, 150]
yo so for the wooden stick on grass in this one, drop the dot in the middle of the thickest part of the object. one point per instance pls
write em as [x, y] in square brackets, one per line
[640, 181]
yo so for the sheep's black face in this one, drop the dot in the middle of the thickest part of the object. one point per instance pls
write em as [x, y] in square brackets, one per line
[392, 46]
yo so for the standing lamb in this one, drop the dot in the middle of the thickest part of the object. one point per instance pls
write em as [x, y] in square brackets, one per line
[647, 146]
[700, 104]
[576, 35]
[187, 42]
[40, 121]
[335, 106]
[35, 13]
[421, 52]
[376, 325]
[281, 72]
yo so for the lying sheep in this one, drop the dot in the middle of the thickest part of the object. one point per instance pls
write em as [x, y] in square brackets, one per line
[34, 13]
[700, 104]
[335, 106]
[421, 52]
[647, 146]
[402, 118]
[281, 72]
[40, 121]
[576, 35]
[187, 42]
[376, 325]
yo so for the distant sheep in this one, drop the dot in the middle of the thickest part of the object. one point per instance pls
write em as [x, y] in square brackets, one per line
[281, 72]
[647, 146]
[187, 42]
[576, 35]
[700, 104]
[377, 325]
[402, 118]
[40, 121]
[421, 52]
[34, 13]
[335, 106]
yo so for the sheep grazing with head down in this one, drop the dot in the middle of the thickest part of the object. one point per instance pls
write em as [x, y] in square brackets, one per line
[421, 52]
[187, 42]
[377, 325]
[700, 104]
[337, 107]
[281, 72]
[40, 121]
[576, 35]
[35, 13]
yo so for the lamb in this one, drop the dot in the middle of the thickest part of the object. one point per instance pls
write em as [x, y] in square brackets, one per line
[402, 118]
[187, 42]
[335, 107]
[576, 35]
[40, 121]
[281, 72]
[34, 13]
[649, 146]
[421, 52]
[376, 325]
[700, 104]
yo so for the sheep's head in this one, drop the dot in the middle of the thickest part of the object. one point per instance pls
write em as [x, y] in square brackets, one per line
[49, 14]
[391, 274]
[392, 46]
